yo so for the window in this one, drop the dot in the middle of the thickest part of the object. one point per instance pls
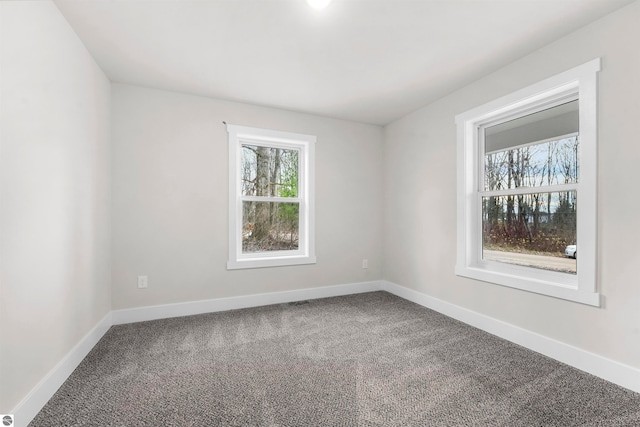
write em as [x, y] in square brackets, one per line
[527, 188]
[271, 211]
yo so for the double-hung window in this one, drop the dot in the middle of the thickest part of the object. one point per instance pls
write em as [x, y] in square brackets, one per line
[271, 203]
[527, 188]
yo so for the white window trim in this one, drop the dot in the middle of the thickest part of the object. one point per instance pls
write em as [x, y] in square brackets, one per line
[305, 254]
[579, 82]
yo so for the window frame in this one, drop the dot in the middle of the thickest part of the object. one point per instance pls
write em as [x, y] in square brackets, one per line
[577, 83]
[305, 145]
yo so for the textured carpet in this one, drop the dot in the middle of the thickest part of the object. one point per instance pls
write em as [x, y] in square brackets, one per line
[361, 360]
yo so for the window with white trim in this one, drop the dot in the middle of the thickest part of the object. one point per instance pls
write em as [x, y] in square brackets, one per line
[271, 200]
[527, 188]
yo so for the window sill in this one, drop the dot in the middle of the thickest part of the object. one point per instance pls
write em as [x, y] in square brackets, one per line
[544, 284]
[264, 262]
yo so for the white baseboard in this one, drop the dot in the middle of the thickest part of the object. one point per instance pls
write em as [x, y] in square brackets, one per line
[610, 370]
[232, 303]
[29, 407]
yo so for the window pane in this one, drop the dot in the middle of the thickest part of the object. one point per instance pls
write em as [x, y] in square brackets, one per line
[548, 163]
[269, 172]
[533, 230]
[270, 226]
[534, 150]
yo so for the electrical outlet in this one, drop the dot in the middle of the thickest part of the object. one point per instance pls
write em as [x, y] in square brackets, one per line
[143, 282]
[365, 263]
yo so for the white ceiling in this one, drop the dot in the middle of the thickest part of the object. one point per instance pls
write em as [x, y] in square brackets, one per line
[370, 61]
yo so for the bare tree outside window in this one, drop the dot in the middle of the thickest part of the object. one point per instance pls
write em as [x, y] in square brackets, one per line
[270, 172]
[536, 222]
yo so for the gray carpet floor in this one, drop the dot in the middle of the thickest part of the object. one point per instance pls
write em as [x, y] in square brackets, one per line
[361, 360]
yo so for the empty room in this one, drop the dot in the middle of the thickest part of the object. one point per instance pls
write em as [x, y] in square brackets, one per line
[319, 213]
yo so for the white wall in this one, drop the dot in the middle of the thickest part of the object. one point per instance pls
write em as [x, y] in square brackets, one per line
[170, 196]
[54, 195]
[420, 196]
